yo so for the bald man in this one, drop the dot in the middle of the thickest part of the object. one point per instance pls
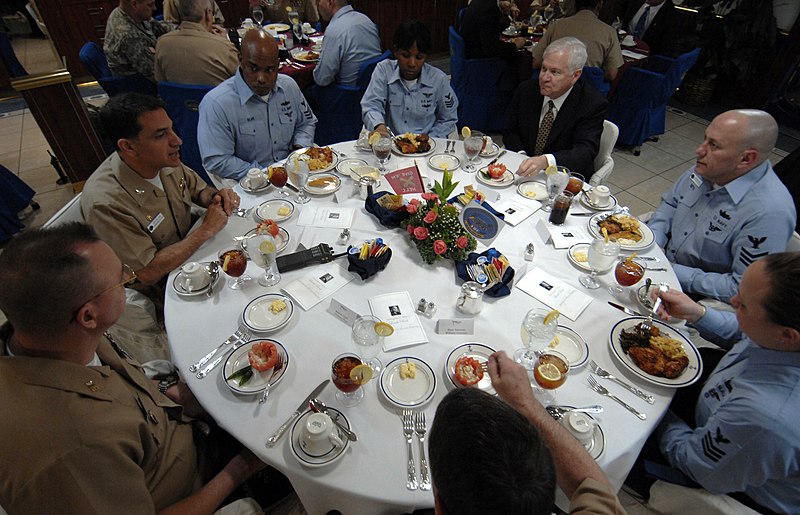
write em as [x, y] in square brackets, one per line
[256, 117]
[728, 210]
[131, 35]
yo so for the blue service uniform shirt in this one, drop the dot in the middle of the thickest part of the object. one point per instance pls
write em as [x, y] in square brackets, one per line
[712, 235]
[238, 130]
[430, 108]
[350, 39]
[747, 437]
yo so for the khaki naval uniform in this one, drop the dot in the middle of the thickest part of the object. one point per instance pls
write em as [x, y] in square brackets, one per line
[192, 55]
[90, 439]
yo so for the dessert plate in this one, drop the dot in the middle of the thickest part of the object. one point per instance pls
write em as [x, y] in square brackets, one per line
[259, 316]
[533, 189]
[272, 210]
[408, 392]
[579, 250]
[238, 359]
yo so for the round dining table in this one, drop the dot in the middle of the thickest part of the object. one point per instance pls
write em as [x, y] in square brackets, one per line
[370, 477]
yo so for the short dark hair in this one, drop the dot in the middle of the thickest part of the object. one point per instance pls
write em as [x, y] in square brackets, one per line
[44, 279]
[120, 116]
[410, 32]
[783, 270]
[487, 458]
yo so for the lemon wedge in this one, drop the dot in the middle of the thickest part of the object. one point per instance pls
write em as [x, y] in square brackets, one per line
[373, 138]
[269, 173]
[361, 374]
[384, 329]
[550, 170]
[225, 263]
[554, 343]
[267, 247]
[465, 132]
[552, 316]
[548, 371]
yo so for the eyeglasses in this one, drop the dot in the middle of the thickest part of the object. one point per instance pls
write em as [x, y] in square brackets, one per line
[129, 277]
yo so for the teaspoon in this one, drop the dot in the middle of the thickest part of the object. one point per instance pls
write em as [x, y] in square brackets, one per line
[317, 406]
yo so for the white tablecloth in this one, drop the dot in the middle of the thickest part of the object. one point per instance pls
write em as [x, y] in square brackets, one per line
[371, 477]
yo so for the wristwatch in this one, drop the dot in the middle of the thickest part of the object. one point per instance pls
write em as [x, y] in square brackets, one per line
[167, 382]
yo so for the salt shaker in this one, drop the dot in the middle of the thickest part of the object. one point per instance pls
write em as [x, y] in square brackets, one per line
[529, 251]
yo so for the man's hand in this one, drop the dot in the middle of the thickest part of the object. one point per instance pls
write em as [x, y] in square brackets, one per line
[676, 304]
[381, 128]
[510, 380]
[519, 43]
[228, 198]
[532, 166]
[215, 218]
[180, 393]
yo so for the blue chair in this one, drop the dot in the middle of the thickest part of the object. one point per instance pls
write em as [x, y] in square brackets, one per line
[94, 59]
[482, 104]
[638, 106]
[338, 107]
[183, 102]
[596, 77]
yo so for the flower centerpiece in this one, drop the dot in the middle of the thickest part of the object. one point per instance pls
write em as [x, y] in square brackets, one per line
[434, 227]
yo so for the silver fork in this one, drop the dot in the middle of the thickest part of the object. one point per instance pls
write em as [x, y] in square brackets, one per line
[420, 428]
[597, 369]
[205, 359]
[408, 432]
[275, 370]
[603, 391]
[237, 340]
[647, 324]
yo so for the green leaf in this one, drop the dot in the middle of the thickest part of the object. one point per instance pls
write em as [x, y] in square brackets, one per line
[241, 376]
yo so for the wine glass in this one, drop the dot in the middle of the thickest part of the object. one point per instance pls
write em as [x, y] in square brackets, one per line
[368, 342]
[350, 392]
[556, 182]
[233, 262]
[298, 172]
[549, 372]
[262, 249]
[627, 273]
[535, 334]
[258, 16]
[602, 255]
[382, 148]
[548, 12]
[472, 148]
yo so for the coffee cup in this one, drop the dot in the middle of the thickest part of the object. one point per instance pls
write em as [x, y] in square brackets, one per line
[600, 195]
[256, 178]
[306, 27]
[579, 425]
[193, 276]
[319, 435]
[628, 40]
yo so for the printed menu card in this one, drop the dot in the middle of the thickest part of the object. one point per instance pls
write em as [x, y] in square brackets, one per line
[555, 293]
[398, 310]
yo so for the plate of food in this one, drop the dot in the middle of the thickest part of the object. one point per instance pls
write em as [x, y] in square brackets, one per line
[348, 165]
[410, 144]
[578, 255]
[268, 312]
[630, 233]
[442, 161]
[319, 159]
[323, 184]
[250, 367]
[586, 202]
[571, 345]
[408, 382]
[277, 27]
[512, 31]
[663, 357]
[464, 366]
[305, 56]
[276, 210]
[282, 238]
[496, 175]
[533, 189]
[318, 460]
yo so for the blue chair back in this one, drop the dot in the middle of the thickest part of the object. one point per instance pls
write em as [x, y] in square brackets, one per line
[338, 107]
[596, 77]
[94, 59]
[183, 102]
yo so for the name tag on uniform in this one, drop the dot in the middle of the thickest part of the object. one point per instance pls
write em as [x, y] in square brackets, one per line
[152, 226]
[696, 180]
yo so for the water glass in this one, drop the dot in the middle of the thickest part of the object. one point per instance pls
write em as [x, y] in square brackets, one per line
[263, 249]
[602, 256]
[556, 182]
[382, 148]
[368, 343]
[298, 173]
[472, 148]
[535, 335]
[258, 16]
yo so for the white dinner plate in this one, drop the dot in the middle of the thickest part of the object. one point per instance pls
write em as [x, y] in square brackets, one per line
[533, 189]
[181, 291]
[597, 444]
[303, 55]
[474, 350]
[647, 235]
[508, 31]
[332, 183]
[687, 377]
[572, 346]
[258, 316]
[244, 182]
[277, 27]
[491, 151]
[584, 200]
[238, 359]
[269, 210]
[282, 239]
[506, 180]
[309, 30]
[396, 150]
[572, 256]
[331, 166]
[408, 393]
[438, 162]
[314, 461]
[346, 166]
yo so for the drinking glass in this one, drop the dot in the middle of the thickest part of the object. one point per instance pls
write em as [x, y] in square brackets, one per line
[236, 265]
[560, 208]
[535, 335]
[627, 273]
[350, 392]
[258, 16]
[298, 172]
[367, 341]
[575, 184]
[549, 372]
[472, 147]
[602, 256]
[278, 178]
[556, 182]
[262, 249]
[382, 148]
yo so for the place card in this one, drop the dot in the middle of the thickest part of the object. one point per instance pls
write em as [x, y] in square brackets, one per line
[321, 282]
[398, 310]
[458, 326]
[562, 236]
[554, 293]
[337, 217]
[342, 312]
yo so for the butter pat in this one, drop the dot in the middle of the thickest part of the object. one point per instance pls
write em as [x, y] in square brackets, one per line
[276, 306]
[283, 211]
[408, 371]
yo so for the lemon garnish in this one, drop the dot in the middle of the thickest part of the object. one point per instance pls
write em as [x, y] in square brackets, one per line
[550, 170]
[554, 343]
[373, 138]
[549, 371]
[269, 172]
[605, 233]
[225, 263]
[361, 374]
[465, 132]
[384, 329]
[266, 247]
[553, 315]
[630, 258]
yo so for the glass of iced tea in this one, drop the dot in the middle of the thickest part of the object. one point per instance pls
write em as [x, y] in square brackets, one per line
[627, 273]
[575, 184]
[233, 262]
[550, 372]
[347, 374]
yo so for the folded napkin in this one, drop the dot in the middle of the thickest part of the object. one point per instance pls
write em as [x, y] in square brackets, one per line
[386, 217]
[500, 289]
[366, 268]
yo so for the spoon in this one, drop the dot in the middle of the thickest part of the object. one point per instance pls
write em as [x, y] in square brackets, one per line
[557, 412]
[317, 406]
[213, 269]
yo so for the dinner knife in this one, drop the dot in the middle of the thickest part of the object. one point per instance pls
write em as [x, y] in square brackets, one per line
[272, 440]
[583, 214]
[625, 310]
[493, 161]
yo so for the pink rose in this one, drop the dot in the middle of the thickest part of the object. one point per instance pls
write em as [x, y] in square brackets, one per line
[430, 217]
[420, 233]
[439, 247]
[415, 201]
[410, 229]
[430, 196]
[412, 209]
[461, 242]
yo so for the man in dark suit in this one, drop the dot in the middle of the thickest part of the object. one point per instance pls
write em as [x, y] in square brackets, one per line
[558, 121]
[659, 28]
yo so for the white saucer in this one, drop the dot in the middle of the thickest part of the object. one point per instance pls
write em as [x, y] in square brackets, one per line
[346, 166]
[244, 182]
[572, 346]
[533, 190]
[438, 161]
[180, 290]
[238, 359]
[492, 151]
[597, 444]
[259, 317]
[408, 393]
[269, 210]
[314, 461]
[474, 350]
[584, 200]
